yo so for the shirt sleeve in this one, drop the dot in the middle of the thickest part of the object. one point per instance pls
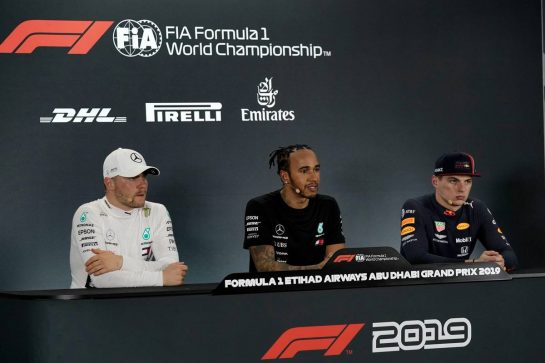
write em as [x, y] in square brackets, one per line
[164, 247]
[257, 226]
[492, 237]
[335, 234]
[414, 239]
[87, 232]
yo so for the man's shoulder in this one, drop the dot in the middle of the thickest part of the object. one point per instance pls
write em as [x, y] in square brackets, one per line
[154, 209]
[265, 199]
[88, 212]
[154, 205]
[477, 205]
[93, 206]
[424, 201]
[325, 199]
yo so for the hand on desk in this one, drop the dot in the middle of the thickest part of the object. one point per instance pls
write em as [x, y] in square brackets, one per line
[174, 274]
[492, 256]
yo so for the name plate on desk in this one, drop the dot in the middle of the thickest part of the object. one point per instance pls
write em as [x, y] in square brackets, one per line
[361, 267]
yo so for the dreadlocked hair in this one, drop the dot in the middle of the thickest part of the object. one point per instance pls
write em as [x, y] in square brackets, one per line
[281, 156]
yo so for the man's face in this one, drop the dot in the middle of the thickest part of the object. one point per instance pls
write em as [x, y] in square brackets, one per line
[452, 190]
[304, 172]
[129, 193]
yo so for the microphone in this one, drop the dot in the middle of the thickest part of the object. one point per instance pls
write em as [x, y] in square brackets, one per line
[296, 190]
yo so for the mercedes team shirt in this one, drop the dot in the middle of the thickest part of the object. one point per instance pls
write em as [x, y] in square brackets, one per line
[143, 236]
[299, 236]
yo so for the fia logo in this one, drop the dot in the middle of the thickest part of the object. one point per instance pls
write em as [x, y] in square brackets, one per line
[137, 38]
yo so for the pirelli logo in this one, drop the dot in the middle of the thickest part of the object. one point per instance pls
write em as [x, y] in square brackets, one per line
[78, 35]
[332, 338]
[183, 112]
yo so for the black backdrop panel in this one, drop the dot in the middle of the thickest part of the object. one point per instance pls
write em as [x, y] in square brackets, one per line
[393, 85]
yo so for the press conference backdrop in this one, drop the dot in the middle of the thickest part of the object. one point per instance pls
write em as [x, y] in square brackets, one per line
[379, 88]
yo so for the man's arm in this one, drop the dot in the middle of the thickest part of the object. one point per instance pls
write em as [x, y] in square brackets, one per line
[334, 235]
[88, 235]
[263, 257]
[493, 239]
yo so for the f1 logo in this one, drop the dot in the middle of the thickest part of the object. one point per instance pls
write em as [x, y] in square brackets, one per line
[78, 35]
[332, 338]
[344, 258]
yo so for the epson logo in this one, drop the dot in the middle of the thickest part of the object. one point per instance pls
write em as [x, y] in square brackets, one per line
[83, 115]
[415, 335]
[183, 112]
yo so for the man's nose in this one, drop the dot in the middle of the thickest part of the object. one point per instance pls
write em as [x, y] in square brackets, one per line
[142, 181]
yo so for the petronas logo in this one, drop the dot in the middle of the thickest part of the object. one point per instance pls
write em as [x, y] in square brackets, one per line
[147, 234]
[321, 227]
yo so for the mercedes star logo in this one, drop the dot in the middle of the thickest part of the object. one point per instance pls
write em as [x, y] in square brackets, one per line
[110, 235]
[136, 158]
[279, 229]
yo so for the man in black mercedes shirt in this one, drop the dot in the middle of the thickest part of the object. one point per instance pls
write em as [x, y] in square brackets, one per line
[293, 228]
[445, 226]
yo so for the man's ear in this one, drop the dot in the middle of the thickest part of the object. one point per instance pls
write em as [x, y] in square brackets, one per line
[108, 183]
[284, 177]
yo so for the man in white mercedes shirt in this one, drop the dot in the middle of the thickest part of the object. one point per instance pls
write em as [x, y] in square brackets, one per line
[122, 240]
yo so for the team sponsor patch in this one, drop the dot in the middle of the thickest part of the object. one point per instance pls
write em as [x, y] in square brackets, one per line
[319, 242]
[406, 211]
[441, 236]
[462, 226]
[407, 230]
[439, 226]
[406, 221]
[407, 237]
[146, 250]
[463, 240]
[449, 213]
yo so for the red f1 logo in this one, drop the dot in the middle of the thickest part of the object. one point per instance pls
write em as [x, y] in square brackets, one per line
[344, 258]
[78, 35]
[332, 338]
